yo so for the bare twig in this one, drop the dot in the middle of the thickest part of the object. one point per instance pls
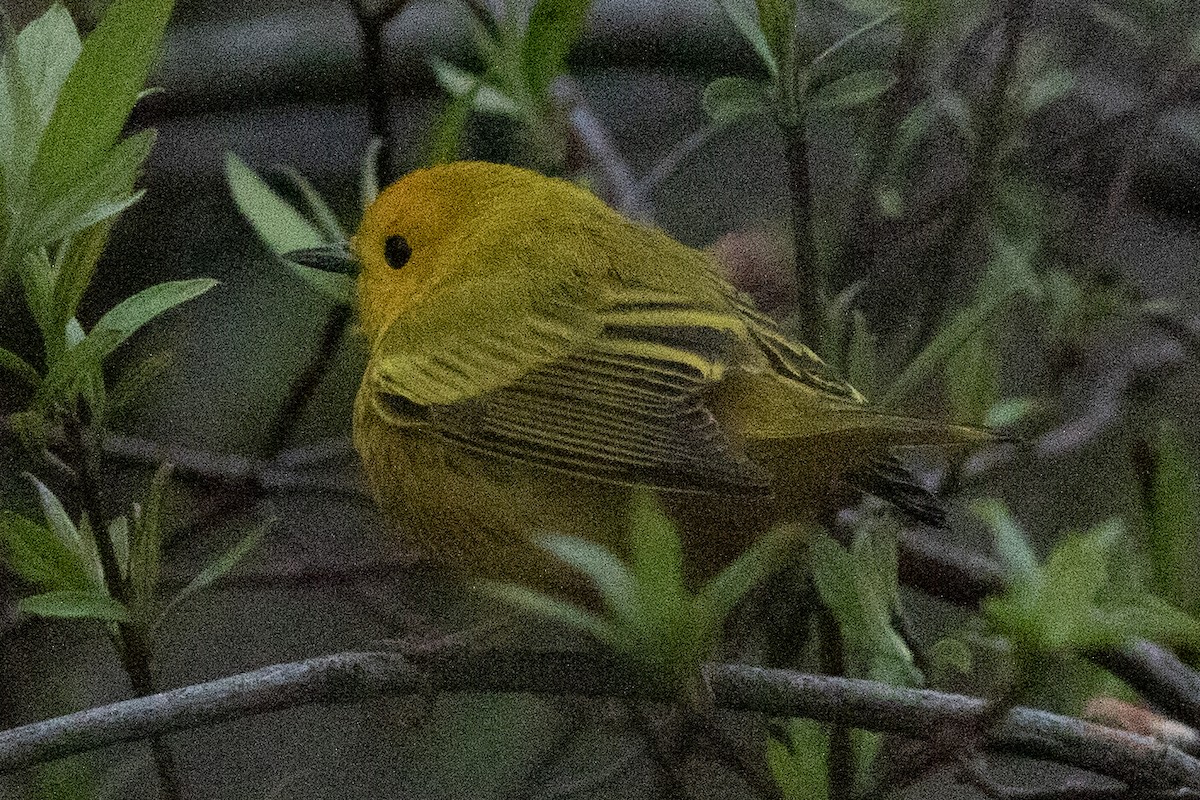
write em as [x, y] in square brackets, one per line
[973, 772]
[642, 192]
[601, 150]
[353, 677]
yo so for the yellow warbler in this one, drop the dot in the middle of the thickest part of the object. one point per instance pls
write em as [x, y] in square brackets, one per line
[534, 355]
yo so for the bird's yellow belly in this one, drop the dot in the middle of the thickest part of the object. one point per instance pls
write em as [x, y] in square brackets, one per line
[480, 515]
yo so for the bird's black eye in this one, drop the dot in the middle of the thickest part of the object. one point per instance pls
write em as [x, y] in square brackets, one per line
[396, 251]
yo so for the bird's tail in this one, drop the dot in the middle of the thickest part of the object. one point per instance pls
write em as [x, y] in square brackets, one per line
[887, 479]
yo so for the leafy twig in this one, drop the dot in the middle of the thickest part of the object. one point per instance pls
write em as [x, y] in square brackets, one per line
[129, 639]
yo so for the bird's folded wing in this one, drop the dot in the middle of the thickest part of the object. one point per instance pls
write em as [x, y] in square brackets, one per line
[615, 395]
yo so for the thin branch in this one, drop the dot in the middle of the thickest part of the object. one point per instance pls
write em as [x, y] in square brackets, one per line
[296, 469]
[354, 677]
[973, 772]
[641, 194]
[601, 150]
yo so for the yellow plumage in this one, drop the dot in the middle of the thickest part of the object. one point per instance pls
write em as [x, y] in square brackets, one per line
[535, 355]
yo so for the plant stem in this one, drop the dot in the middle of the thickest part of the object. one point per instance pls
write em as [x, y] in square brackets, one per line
[129, 640]
[839, 765]
[371, 23]
[808, 282]
[994, 123]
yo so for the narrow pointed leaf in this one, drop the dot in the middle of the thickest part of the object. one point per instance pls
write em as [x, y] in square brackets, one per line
[132, 313]
[100, 91]
[74, 605]
[280, 226]
[13, 364]
[744, 17]
[40, 556]
[553, 609]
[215, 571]
[1012, 546]
[612, 579]
[554, 27]
[321, 212]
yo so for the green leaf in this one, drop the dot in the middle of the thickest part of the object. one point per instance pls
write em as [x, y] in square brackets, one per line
[965, 324]
[20, 368]
[93, 196]
[118, 537]
[1073, 576]
[47, 48]
[74, 605]
[487, 98]
[853, 90]
[862, 357]
[29, 85]
[1004, 413]
[972, 379]
[554, 27]
[1158, 621]
[745, 18]
[1012, 545]
[777, 21]
[40, 556]
[135, 382]
[1048, 87]
[145, 547]
[611, 578]
[132, 313]
[37, 279]
[446, 141]
[322, 213]
[836, 579]
[801, 764]
[837, 312]
[553, 609]
[214, 572]
[1172, 507]
[656, 550]
[368, 188]
[76, 266]
[77, 371]
[280, 226]
[949, 653]
[766, 555]
[100, 91]
[730, 99]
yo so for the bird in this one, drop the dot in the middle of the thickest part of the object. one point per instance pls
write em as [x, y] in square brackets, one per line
[535, 358]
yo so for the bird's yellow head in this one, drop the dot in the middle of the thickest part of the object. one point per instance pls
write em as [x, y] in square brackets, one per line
[436, 225]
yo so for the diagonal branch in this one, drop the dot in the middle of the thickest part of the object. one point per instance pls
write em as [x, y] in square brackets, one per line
[353, 677]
